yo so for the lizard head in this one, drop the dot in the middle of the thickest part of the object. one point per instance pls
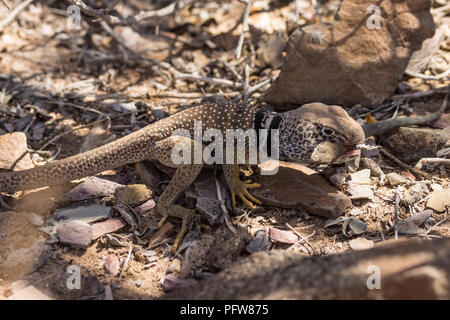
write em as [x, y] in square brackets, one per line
[304, 128]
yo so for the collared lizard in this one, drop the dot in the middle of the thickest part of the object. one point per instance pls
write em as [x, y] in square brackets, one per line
[300, 131]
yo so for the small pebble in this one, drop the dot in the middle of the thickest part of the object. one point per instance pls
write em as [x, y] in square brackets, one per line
[35, 219]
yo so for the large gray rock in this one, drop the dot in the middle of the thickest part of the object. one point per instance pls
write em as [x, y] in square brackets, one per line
[351, 60]
[413, 144]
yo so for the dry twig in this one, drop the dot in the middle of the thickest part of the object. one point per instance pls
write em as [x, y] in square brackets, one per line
[426, 161]
[238, 50]
[143, 15]
[402, 164]
[14, 13]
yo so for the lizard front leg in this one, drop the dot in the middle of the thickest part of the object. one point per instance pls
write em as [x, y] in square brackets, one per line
[238, 187]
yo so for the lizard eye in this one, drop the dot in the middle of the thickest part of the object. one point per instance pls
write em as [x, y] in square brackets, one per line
[327, 131]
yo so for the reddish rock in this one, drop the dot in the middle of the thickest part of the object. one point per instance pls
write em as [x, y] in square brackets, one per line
[284, 236]
[77, 234]
[146, 206]
[298, 187]
[352, 60]
[112, 264]
[107, 226]
[14, 152]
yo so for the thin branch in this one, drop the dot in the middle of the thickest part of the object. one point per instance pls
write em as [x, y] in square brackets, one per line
[396, 208]
[420, 94]
[14, 13]
[238, 50]
[302, 238]
[442, 75]
[402, 164]
[223, 82]
[425, 161]
[143, 15]
[222, 205]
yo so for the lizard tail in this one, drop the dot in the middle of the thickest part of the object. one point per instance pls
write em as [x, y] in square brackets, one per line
[380, 127]
[109, 156]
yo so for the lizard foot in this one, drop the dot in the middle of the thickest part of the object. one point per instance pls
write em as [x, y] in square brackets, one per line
[179, 212]
[240, 189]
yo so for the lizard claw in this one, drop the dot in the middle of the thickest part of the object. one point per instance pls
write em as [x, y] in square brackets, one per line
[240, 189]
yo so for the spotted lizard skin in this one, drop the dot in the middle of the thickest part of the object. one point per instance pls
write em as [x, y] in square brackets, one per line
[300, 130]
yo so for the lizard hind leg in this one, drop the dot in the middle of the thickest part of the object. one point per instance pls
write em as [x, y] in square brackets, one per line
[184, 176]
[238, 187]
[182, 179]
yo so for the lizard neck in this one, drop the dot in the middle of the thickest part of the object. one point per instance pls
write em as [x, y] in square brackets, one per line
[269, 121]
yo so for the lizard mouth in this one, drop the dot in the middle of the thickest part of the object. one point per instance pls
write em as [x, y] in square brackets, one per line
[331, 153]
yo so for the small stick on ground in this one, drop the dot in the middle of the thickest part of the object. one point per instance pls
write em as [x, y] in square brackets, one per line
[246, 81]
[442, 75]
[426, 161]
[14, 13]
[302, 237]
[143, 15]
[436, 224]
[222, 82]
[222, 205]
[420, 94]
[238, 50]
[126, 261]
[82, 127]
[396, 207]
[153, 64]
[402, 164]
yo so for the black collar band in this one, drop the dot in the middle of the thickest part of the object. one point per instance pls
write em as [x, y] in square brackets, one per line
[265, 120]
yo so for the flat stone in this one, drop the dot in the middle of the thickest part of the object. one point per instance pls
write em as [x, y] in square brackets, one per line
[327, 63]
[93, 187]
[297, 187]
[439, 200]
[77, 234]
[411, 225]
[14, 152]
[360, 244]
[30, 293]
[356, 227]
[133, 195]
[86, 213]
[107, 226]
[284, 236]
[360, 192]
[361, 177]
[396, 179]
[403, 143]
